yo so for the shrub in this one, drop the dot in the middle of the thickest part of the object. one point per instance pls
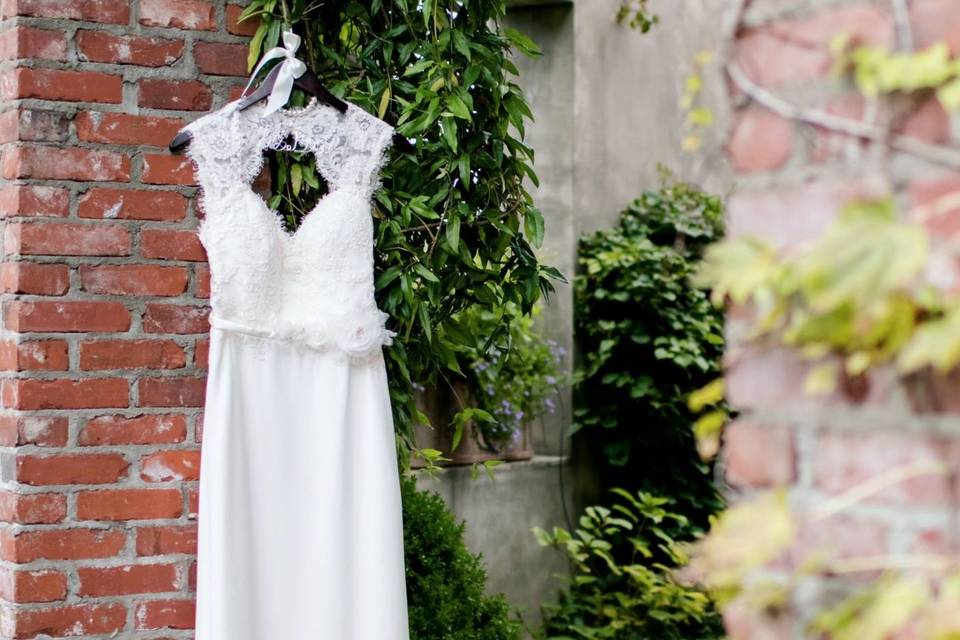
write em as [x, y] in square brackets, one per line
[445, 581]
[622, 557]
[649, 338]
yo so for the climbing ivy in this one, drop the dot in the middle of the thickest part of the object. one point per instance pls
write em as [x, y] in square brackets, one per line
[454, 223]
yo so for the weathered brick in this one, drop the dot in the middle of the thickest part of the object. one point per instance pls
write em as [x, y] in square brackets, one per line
[133, 279]
[72, 163]
[71, 468]
[131, 354]
[66, 239]
[129, 504]
[41, 585]
[185, 95]
[86, 393]
[33, 508]
[34, 355]
[163, 466]
[174, 318]
[23, 41]
[100, 46]
[67, 315]
[171, 391]
[62, 85]
[165, 614]
[128, 579]
[132, 204]
[150, 428]
[156, 541]
[246, 28]
[65, 544]
[182, 14]
[106, 11]
[35, 278]
[222, 59]
[42, 431]
[125, 128]
[71, 620]
[34, 200]
[933, 21]
[159, 168]
[172, 244]
[34, 125]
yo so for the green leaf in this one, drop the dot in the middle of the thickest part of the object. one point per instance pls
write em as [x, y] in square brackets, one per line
[533, 226]
[453, 232]
[457, 107]
[522, 42]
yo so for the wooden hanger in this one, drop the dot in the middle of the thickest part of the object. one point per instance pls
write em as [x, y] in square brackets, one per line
[310, 83]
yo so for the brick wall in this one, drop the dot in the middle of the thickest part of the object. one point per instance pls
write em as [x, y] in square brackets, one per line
[104, 310]
[792, 180]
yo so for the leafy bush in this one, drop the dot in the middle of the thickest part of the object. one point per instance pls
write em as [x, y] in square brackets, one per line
[622, 589]
[649, 338]
[455, 225]
[445, 582]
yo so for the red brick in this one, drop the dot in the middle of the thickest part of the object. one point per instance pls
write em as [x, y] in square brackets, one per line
[794, 51]
[934, 21]
[60, 84]
[194, 15]
[129, 504]
[928, 122]
[125, 128]
[829, 144]
[163, 466]
[133, 279]
[149, 428]
[131, 354]
[935, 202]
[201, 354]
[840, 537]
[106, 11]
[34, 200]
[67, 239]
[79, 468]
[183, 95]
[203, 281]
[41, 585]
[246, 28]
[760, 141]
[42, 431]
[86, 393]
[29, 42]
[67, 544]
[34, 355]
[71, 620]
[758, 455]
[172, 244]
[100, 46]
[222, 59]
[158, 541]
[792, 215]
[165, 614]
[72, 163]
[35, 278]
[171, 391]
[34, 508]
[174, 318]
[35, 125]
[161, 168]
[844, 461]
[132, 204]
[68, 315]
[127, 579]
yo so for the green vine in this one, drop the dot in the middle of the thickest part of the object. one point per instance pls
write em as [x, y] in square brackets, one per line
[455, 225]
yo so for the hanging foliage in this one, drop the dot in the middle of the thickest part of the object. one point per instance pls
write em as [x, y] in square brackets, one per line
[454, 223]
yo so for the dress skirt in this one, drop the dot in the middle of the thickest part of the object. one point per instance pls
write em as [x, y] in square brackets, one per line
[300, 533]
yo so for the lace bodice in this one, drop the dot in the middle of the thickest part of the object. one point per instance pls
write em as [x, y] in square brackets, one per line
[314, 286]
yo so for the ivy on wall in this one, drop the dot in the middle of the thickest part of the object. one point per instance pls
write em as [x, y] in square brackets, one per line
[454, 223]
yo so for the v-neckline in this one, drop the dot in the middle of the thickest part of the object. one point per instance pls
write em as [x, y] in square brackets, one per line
[277, 222]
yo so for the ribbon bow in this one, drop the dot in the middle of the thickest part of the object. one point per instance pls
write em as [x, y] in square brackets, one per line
[290, 69]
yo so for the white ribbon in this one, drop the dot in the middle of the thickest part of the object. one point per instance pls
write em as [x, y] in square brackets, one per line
[290, 69]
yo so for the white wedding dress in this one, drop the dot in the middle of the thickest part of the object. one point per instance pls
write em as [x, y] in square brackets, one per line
[300, 526]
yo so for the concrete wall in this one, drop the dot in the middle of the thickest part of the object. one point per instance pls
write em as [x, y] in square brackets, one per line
[605, 99]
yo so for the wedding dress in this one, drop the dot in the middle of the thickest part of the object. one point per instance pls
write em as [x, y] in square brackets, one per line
[300, 526]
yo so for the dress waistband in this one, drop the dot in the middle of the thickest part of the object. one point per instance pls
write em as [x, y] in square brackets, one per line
[356, 339]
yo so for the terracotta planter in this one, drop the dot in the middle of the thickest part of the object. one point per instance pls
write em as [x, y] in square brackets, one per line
[440, 405]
